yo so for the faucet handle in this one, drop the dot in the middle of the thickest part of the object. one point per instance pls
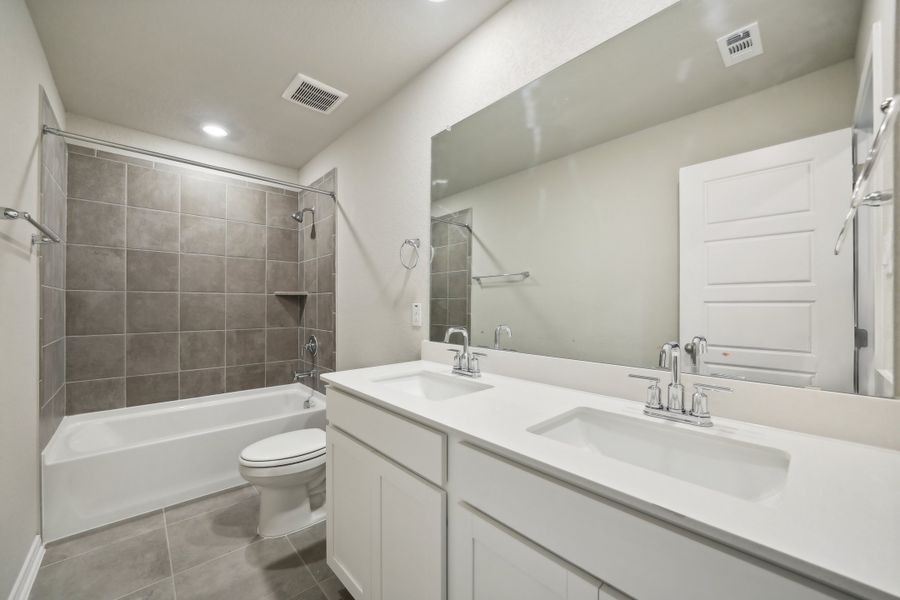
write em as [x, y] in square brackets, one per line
[700, 400]
[473, 363]
[457, 357]
[653, 393]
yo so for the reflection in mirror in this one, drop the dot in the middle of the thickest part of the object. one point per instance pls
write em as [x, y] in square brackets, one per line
[663, 188]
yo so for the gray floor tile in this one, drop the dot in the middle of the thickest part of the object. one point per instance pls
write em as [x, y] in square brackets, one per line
[266, 569]
[192, 508]
[163, 590]
[306, 538]
[335, 590]
[212, 534]
[310, 594]
[108, 572]
[85, 542]
[310, 544]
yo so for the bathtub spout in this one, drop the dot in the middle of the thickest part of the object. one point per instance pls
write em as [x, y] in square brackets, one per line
[301, 375]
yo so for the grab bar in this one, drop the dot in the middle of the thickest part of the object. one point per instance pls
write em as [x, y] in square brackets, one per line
[889, 108]
[522, 274]
[47, 234]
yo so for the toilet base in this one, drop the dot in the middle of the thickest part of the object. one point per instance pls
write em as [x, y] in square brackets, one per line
[284, 511]
[289, 503]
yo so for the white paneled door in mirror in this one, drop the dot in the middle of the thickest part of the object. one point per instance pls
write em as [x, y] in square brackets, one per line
[759, 278]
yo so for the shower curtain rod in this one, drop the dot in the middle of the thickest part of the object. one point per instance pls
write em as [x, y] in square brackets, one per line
[184, 161]
[469, 227]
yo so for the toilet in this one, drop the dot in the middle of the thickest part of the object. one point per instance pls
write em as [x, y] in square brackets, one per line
[289, 471]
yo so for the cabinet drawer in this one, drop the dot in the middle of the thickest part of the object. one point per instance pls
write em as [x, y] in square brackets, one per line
[642, 556]
[416, 447]
[497, 563]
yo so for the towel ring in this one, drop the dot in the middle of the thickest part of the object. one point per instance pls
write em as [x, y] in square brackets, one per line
[415, 244]
[413, 260]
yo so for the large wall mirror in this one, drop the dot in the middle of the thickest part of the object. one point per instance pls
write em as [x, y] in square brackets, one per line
[684, 181]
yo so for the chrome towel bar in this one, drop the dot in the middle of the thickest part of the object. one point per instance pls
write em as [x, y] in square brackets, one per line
[857, 199]
[47, 234]
[523, 274]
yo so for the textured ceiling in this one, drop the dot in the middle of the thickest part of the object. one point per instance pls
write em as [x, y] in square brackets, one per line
[167, 66]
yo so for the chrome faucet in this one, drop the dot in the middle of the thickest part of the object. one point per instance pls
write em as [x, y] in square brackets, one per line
[301, 375]
[670, 358]
[501, 329]
[465, 362]
[673, 409]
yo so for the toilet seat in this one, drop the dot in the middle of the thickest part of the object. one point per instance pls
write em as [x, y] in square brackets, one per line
[286, 449]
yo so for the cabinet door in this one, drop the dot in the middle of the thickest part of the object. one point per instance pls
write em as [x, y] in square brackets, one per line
[498, 564]
[386, 528]
[412, 536]
[350, 527]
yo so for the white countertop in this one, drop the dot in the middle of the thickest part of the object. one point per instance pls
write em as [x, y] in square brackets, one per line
[837, 519]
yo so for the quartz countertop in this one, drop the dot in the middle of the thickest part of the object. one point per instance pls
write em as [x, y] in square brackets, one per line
[837, 520]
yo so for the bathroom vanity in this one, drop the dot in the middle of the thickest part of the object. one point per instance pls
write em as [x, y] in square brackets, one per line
[441, 486]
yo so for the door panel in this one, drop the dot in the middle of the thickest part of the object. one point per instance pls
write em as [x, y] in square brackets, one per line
[758, 276]
[386, 531]
[412, 534]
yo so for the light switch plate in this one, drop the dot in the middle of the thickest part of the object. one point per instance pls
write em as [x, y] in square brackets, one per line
[416, 314]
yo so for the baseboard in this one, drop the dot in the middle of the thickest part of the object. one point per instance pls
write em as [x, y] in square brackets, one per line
[22, 587]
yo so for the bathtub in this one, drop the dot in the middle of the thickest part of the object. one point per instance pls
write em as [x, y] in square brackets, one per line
[99, 468]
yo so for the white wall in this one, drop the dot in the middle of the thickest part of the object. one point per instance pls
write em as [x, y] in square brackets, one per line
[140, 139]
[604, 221]
[24, 68]
[384, 162]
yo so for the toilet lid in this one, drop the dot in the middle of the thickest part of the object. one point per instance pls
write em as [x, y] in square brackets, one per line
[286, 448]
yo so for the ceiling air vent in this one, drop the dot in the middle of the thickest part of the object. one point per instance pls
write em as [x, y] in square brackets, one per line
[742, 44]
[313, 94]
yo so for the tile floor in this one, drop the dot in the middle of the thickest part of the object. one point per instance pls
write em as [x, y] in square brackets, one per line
[205, 548]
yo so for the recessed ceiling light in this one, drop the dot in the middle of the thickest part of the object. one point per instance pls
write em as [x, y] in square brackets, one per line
[436, 1]
[215, 130]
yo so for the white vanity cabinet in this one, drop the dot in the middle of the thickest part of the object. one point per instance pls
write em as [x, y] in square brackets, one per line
[415, 513]
[386, 529]
[643, 557]
[495, 563]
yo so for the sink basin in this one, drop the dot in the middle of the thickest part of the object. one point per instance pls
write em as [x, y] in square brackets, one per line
[748, 471]
[433, 386]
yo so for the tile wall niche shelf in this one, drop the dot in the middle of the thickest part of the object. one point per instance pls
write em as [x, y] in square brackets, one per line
[298, 294]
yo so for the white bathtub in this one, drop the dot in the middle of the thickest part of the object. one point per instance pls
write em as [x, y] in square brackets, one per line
[103, 467]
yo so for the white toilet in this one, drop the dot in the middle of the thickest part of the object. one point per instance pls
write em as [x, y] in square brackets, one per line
[288, 470]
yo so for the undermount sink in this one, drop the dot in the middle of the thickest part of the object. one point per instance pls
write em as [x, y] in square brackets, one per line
[433, 386]
[741, 469]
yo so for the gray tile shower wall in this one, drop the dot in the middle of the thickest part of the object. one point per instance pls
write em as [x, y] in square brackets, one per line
[317, 276]
[52, 395]
[451, 275]
[171, 279]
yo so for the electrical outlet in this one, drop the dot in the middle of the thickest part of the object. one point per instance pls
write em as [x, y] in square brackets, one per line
[416, 316]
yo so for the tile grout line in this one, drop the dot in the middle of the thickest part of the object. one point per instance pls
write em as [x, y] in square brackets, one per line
[178, 309]
[149, 585]
[225, 295]
[317, 583]
[165, 526]
[125, 309]
[169, 551]
[255, 540]
[206, 512]
[102, 546]
[179, 212]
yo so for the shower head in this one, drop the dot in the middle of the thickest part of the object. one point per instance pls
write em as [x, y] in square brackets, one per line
[298, 216]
